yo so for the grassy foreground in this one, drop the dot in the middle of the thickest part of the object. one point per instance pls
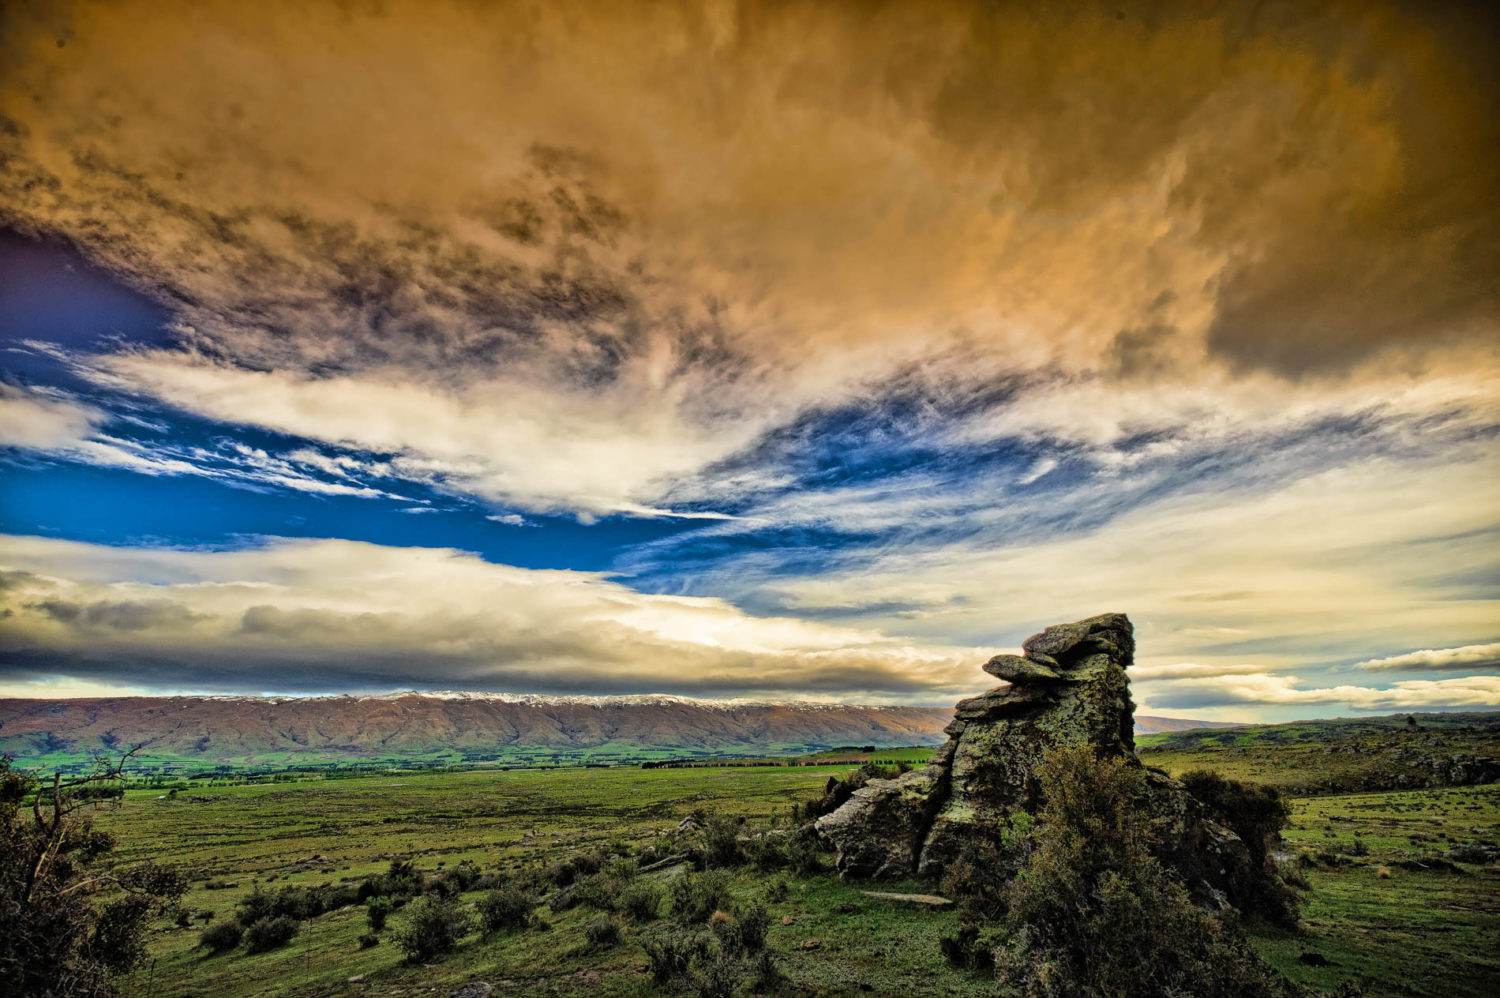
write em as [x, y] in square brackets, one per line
[1384, 907]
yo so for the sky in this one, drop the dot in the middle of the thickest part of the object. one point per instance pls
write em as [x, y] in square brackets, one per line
[773, 350]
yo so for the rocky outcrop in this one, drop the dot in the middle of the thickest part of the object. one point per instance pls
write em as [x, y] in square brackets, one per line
[1069, 688]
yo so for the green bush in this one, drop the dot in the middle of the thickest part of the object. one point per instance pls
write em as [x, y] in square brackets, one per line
[721, 841]
[603, 931]
[1257, 814]
[595, 891]
[377, 910]
[221, 937]
[670, 950]
[1093, 914]
[270, 933]
[717, 976]
[505, 909]
[641, 901]
[696, 896]
[565, 871]
[745, 933]
[432, 926]
[401, 880]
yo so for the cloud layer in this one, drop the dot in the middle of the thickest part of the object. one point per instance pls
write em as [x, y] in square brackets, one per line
[311, 616]
[946, 322]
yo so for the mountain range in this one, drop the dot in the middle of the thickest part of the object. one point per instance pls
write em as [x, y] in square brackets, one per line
[198, 732]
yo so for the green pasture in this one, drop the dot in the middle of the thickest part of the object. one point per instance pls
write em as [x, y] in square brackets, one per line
[1417, 929]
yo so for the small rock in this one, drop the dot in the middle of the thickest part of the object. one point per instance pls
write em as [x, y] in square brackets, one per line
[474, 989]
[812, 943]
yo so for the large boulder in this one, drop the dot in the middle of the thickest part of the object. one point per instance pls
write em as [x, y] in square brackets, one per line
[1069, 688]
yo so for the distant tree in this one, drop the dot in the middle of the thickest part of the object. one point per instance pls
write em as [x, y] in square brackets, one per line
[68, 926]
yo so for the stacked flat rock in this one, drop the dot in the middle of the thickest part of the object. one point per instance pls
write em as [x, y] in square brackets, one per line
[1069, 687]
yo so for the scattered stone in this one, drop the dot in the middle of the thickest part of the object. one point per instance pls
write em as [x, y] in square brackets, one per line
[687, 824]
[812, 943]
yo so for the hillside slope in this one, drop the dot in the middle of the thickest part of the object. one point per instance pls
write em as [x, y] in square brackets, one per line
[204, 732]
[1342, 755]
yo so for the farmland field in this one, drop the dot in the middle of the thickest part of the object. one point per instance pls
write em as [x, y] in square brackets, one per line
[1381, 909]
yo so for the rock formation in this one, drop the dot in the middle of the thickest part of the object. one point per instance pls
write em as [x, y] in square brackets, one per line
[1069, 688]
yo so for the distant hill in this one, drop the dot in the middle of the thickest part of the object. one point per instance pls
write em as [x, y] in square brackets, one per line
[450, 728]
[1159, 725]
[1342, 754]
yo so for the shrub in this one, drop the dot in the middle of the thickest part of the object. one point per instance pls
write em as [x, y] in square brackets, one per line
[401, 880]
[270, 933]
[596, 891]
[432, 926]
[603, 931]
[1257, 814]
[641, 901]
[377, 910]
[721, 841]
[221, 937]
[1094, 913]
[581, 864]
[765, 974]
[343, 896]
[505, 909]
[745, 933]
[696, 896]
[802, 856]
[368, 940]
[718, 976]
[258, 905]
[670, 950]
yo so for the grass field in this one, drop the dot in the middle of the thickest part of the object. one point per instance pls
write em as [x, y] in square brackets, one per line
[1410, 931]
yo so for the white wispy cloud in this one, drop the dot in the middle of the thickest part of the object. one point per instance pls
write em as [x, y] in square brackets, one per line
[1352, 561]
[64, 427]
[1468, 657]
[1265, 690]
[1192, 670]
